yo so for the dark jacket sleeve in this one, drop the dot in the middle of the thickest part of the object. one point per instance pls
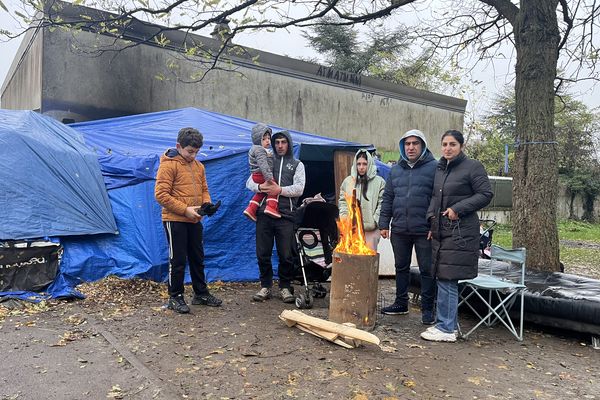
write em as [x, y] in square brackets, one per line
[431, 209]
[482, 192]
[385, 214]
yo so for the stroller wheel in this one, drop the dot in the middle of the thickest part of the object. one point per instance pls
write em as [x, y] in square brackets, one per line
[319, 292]
[301, 301]
[309, 301]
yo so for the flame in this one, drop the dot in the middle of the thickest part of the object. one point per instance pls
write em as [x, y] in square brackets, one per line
[351, 229]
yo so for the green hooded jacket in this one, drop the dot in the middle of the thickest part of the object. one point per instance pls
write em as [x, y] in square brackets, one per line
[375, 184]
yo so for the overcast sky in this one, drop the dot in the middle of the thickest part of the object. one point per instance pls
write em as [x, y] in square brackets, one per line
[494, 76]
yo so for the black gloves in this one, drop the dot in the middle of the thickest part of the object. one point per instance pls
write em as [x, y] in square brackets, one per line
[208, 208]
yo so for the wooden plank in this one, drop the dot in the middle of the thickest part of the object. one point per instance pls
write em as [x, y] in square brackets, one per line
[329, 326]
[331, 336]
[349, 340]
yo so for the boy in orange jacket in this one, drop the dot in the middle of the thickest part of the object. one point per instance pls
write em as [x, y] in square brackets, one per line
[180, 189]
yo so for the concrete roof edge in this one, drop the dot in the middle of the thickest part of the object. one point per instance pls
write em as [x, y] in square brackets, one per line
[271, 62]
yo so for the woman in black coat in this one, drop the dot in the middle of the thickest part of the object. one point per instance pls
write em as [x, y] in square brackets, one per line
[460, 189]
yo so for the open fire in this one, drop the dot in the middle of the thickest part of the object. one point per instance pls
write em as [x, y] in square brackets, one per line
[351, 230]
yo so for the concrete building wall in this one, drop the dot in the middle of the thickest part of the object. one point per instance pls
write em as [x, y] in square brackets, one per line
[23, 86]
[81, 87]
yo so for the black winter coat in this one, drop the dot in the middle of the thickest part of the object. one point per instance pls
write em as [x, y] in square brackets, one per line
[462, 185]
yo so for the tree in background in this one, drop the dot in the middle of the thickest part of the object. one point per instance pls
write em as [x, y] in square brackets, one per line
[545, 35]
[577, 131]
[387, 55]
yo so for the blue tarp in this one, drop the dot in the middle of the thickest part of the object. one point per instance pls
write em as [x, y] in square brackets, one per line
[51, 183]
[129, 149]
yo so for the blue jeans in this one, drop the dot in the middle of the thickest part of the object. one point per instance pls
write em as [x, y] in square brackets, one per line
[447, 305]
[403, 246]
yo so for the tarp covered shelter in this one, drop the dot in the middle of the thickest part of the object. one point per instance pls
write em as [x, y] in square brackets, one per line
[51, 183]
[129, 150]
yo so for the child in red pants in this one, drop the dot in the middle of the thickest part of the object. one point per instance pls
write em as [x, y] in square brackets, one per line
[260, 158]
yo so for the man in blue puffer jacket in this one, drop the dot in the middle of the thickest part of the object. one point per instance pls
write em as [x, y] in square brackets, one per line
[406, 197]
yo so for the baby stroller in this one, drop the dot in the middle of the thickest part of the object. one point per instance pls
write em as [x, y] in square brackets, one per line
[316, 236]
[486, 230]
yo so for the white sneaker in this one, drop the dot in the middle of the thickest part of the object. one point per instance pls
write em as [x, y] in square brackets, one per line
[435, 335]
[432, 328]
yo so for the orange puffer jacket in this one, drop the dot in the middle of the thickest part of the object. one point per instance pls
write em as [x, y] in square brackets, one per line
[179, 184]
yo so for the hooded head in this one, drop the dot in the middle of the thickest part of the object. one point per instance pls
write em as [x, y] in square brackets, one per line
[258, 131]
[413, 157]
[371, 168]
[274, 143]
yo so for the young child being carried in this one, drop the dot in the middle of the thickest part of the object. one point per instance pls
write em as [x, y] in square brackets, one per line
[260, 158]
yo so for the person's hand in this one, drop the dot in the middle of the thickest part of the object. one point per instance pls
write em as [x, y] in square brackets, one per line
[429, 235]
[385, 233]
[190, 213]
[271, 188]
[450, 214]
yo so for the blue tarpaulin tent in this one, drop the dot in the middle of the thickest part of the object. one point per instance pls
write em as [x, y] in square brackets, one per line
[51, 183]
[129, 149]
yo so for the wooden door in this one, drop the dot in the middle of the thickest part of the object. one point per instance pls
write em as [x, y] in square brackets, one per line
[342, 164]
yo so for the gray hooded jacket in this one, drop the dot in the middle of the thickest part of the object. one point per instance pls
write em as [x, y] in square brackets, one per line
[289, 174]
[259, 158]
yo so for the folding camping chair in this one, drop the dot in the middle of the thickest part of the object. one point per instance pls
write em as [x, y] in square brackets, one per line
[501, 293]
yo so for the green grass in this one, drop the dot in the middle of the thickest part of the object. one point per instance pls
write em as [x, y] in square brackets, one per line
[567, 230]
[502, 236]
[389, 156]
[576, 259]
[576, 230]
[580, 256]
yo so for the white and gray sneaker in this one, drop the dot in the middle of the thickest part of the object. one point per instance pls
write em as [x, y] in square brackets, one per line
[287, 296]
[433, 334]
[431, 328]
[263, 294]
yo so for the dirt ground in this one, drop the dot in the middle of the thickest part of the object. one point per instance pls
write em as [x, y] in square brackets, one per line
[121, 343]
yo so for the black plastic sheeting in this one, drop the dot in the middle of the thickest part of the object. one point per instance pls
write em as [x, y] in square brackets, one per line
[552, 298]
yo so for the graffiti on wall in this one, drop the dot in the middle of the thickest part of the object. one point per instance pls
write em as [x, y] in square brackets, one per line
[339, 76]
[370, 97]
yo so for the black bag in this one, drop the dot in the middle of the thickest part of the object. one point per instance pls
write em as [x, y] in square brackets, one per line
[28, 266]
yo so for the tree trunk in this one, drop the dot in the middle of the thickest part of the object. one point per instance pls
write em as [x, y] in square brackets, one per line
[588, 208]
[535, 179]
[571, 209]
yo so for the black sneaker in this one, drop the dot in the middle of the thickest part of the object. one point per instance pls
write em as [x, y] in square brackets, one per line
[395, 309]
[206, 300]
[178, 304]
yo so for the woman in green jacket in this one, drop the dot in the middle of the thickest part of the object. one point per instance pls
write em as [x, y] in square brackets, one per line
[369, 191]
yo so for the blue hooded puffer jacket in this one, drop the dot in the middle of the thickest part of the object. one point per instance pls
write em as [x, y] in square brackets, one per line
[408, 191]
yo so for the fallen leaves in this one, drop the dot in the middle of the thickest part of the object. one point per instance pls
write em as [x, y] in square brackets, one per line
[116, 393]
[478, 380]
[71, 336]
[414, 346]
[387, 349]
[18, 308]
